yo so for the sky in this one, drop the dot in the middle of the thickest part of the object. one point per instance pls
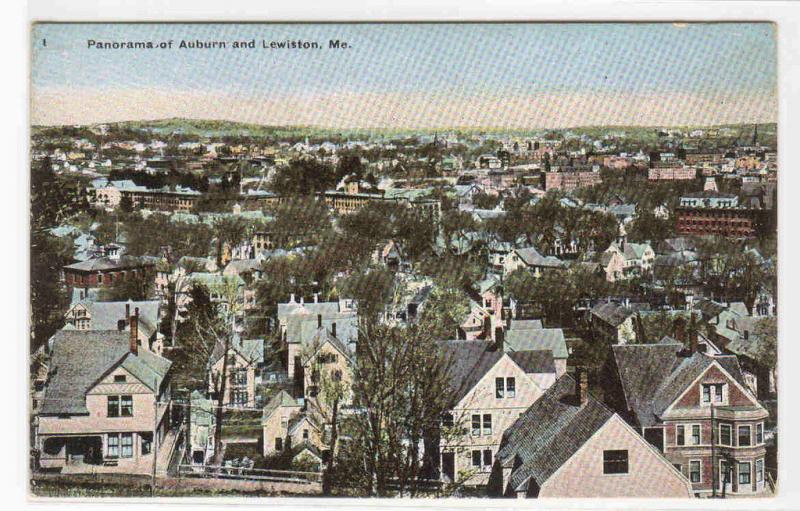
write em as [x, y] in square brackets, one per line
[411, 75]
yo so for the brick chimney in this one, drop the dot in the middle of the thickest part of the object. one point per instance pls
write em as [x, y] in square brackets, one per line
[582, 387]
[319, 321]
[333, 329]
[134, 332]
[127, 312]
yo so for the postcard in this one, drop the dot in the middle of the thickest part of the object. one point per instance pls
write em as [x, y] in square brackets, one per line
[419, 260]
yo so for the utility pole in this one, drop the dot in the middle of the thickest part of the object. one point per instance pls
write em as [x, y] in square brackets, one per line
[155, 438]
[713, 456]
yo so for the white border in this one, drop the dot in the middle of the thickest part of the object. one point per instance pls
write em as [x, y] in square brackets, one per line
[14, 204]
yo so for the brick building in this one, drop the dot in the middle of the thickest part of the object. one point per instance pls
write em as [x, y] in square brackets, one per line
[568, 181]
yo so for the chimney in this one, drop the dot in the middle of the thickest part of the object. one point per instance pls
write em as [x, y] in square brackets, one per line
[692, 336]
[127, 311]
[333, 329]
[134, 332]
[582, 386]
[319, 320]
[499, 338]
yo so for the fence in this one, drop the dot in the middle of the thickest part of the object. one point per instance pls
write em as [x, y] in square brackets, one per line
[249, 474]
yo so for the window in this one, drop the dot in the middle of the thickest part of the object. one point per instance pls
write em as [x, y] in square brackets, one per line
[126, 408]
[476, 459]
[305, 435]
[113, 406]
[127, 445]
[712, 391]
[487, 424]
[694, 471]
[279, 444]
[240, 397]
[615, 462]
[725, 434]
[499, 388]
[112, 449]
[447, 420]
[759, 434]
[511, 387]
[240, 377]
[680, 435]
[695, 434]
[119, 378]
[284, 422]
[744, 473]
[476, 425]
[147, 442]
[759, 470]
[744, 436]
[487, 458]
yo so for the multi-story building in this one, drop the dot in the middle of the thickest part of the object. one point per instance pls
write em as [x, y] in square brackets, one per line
[713, 213]
[104, 272]
[490, 389]
[106, 405]
[697, 410]
[568, 181]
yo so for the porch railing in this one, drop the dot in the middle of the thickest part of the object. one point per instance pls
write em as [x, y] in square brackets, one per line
[252, 474]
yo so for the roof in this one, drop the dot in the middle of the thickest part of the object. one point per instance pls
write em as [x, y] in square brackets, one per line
[313, 308]
[105, 315]
[81, 357]
[534, 362]
[550, 432]
[635, 250]
[280, 400]
[525, 324]
[108, 263]
[612, 313]
[532, 257]
[654, 375]
[537, 339]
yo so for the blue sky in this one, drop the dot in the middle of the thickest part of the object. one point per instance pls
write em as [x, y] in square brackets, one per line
[484, 62]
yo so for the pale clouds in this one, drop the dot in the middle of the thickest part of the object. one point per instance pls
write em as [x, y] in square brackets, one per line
[65, 105]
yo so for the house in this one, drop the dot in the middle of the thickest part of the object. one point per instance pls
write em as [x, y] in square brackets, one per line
[298, 323]
[568, 444]
[90, 315]
[613, 264]
[696, 409]
[390, 255]
[490, 388]
[327, 361]
[614, 323]
[287, 426]
[530, 259]
[637, 257]
[106, 405]
[203, 420]
[244, 363]
[104, 272]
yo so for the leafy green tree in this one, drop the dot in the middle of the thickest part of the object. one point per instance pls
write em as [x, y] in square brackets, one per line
[49, 298]
[766, 332]
[304, 176]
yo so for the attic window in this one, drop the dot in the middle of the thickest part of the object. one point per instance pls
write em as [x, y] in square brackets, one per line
[615, 462]
[119, 378]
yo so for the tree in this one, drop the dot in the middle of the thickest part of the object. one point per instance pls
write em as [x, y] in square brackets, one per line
[206, 335]
[444, 312]
[766, 331]
[401, 388]
[304, 176]
[49, 298]
[136, 288]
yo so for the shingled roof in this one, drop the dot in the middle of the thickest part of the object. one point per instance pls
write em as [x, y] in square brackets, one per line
[532, 257]
[612, 313]
[108, 263]
[106, 315]
[536, 339]
[81, 357]
[653, 376]
[549, 433]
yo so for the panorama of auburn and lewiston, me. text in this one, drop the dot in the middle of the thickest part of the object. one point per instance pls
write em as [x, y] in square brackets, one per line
[498, 260]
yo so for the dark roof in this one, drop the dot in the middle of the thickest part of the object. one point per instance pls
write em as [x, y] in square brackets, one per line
[612, 313]
[534, 361]
[532, 257]
[525, 324]
[81, 357]
[653, 376]
[535, 339]
[468, 362]
[549, 433]
[108, 263]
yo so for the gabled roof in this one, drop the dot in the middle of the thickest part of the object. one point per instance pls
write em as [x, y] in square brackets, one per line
[81, 357]
[537, 339]
[532, 257]
[534, 362]
[280, 400]
[549, 433]
[525, 324]
[653, 376]
[105, 315]
[612, 313]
